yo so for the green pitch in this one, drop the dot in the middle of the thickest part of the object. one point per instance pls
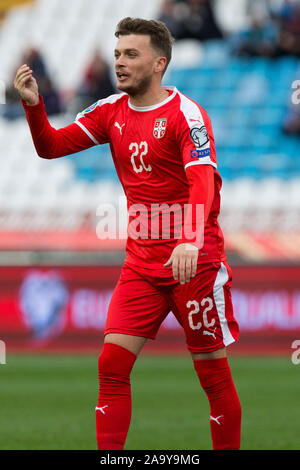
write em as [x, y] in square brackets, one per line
[48, 402]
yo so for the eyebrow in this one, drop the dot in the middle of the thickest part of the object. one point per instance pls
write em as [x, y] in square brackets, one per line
[127, 50]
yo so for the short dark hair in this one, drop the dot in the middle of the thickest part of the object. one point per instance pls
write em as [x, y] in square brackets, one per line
[160, 37]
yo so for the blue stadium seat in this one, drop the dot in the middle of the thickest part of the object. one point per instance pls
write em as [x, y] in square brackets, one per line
[94, 164]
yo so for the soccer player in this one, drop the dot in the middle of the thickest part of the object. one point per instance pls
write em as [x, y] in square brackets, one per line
[163, 149]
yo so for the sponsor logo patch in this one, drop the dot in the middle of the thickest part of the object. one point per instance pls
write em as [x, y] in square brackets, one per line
[160, 126]
[199, 136]
[200, 153]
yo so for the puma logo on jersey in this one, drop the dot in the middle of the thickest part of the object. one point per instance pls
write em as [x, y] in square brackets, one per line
[216, 419]
[119, 127]
[210, 333]
[101, 409]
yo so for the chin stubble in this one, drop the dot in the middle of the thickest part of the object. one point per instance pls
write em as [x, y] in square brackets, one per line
[140, 88]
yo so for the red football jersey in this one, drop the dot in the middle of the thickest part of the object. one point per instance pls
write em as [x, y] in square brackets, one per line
[165, 159]
[152, 148]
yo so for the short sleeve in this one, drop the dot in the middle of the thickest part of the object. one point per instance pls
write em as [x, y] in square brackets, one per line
[194, 135]
[93, 121]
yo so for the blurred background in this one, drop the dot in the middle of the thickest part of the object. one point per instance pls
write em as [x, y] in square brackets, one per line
[240, 60]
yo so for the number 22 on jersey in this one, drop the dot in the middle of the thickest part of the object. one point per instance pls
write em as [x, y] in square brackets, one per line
[138, 151]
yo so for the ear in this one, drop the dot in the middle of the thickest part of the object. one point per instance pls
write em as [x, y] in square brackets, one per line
[160, 64]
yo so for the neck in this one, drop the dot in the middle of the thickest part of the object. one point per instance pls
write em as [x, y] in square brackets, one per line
[150, 98]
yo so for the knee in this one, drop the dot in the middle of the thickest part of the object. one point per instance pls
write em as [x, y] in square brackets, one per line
[115, 360]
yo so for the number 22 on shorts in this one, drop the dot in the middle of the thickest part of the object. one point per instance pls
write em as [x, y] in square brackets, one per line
[205, 301]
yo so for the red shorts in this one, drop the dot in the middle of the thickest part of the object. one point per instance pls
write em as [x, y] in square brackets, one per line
[143, 298]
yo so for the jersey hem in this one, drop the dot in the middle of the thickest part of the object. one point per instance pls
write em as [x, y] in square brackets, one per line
[203, 260]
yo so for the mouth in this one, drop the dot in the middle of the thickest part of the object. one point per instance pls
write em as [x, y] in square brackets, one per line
[121, 76]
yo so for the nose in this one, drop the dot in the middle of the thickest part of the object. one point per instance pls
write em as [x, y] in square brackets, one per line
[119, 61]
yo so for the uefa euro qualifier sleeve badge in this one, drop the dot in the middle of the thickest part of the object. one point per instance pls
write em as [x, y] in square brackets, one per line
[160, 126]
[199, 136]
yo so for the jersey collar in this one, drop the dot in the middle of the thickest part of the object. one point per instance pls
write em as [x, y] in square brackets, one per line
[158, 105]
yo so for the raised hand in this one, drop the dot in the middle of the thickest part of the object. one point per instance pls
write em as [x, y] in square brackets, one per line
[26, 85]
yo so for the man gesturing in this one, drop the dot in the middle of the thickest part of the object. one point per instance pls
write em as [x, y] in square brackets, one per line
[163, 149]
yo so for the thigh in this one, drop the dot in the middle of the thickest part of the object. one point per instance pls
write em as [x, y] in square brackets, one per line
[137, 306]
[204, 308]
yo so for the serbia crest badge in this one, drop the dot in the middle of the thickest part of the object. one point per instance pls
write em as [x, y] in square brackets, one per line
[160, 126]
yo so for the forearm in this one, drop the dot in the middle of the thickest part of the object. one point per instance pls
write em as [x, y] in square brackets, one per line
[50, 142]
[201, 182]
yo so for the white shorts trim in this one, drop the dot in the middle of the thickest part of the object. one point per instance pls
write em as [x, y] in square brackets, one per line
[219, 298]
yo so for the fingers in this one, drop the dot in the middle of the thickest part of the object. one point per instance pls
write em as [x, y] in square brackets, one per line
[23, 76]
[175, 268]
[188, 269]
[174, 262]
[194, 266]
[24, 73]
[21, 70]
[22, 81]
[184, 263]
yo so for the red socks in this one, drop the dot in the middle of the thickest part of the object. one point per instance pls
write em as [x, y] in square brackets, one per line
[113, 411]
[225, 409]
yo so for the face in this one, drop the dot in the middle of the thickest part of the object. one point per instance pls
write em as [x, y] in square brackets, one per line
[135, 64]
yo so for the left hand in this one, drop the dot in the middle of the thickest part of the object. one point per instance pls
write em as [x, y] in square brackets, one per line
[184, 259]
